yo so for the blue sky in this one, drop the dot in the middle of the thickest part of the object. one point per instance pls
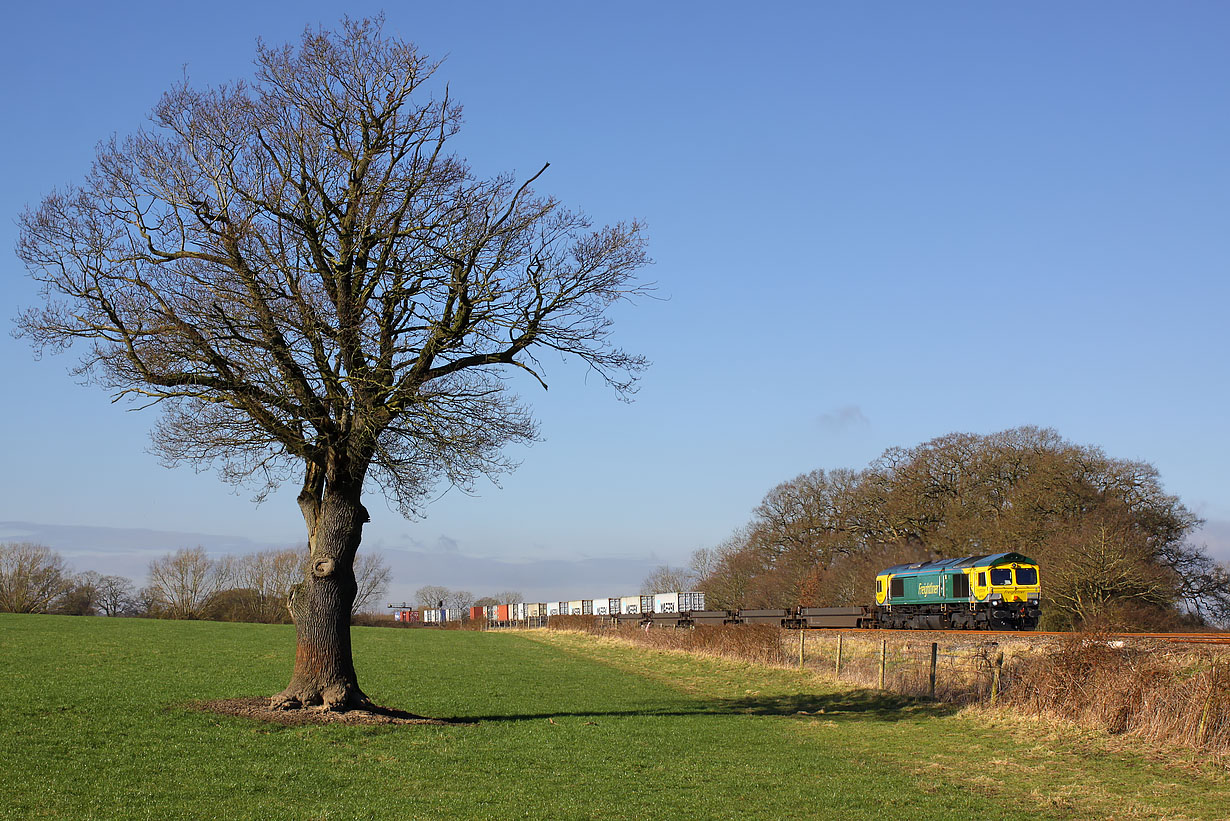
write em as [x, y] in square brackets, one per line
[873, 224]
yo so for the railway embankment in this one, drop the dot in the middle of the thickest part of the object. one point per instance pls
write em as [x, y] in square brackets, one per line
[1164, 691]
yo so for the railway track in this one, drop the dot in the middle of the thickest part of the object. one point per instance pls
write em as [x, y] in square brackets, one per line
[1176, 638]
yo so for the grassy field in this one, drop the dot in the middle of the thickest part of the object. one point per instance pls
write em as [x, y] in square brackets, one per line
[95, 724]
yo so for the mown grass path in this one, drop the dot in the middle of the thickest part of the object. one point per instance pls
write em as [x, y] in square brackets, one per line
[93, 725]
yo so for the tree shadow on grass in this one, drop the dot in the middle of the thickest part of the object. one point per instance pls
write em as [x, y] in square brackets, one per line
[856, 705]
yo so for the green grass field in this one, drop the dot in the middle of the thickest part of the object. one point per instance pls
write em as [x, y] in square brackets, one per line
[95, 724]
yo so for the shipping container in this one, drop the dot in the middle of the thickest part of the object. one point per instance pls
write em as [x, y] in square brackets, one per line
[666, 602]
[691, 601]
[477, 613]
[630, 604]
[501, 612]
[678, 602]
[606, 607]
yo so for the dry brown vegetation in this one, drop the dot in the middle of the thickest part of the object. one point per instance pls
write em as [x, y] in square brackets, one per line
[1171, 696]
[1144, 689]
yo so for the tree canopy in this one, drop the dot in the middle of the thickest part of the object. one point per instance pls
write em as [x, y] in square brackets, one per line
[304, 277]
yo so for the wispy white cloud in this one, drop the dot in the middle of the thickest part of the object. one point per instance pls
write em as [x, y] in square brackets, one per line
[843, 419]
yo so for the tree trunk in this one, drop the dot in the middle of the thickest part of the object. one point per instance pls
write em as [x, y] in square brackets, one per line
[321, 606]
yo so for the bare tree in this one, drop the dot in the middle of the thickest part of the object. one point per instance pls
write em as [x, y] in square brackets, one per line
[372, 577]
[80, 596]
[183, 582]
[459, 600]
[32, 577]
[270, 574]
[310, 285]
[432, 595]
[665, 578]
[115, 595]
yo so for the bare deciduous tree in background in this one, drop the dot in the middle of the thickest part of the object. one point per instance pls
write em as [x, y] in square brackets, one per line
[371, 580]
[270, 574]
[667, 579]
[431, 595]
[306, 281]
[461, 600]
[32, 577]
[115, 595]
[183, 582]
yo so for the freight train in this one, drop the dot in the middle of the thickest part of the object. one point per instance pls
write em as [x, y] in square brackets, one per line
[997, 592]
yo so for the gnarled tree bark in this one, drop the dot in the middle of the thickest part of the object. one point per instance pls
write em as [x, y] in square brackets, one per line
[321, 605]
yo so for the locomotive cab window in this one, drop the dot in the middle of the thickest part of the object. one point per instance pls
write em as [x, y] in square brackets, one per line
[1027, 575]
[896, 588]
[1001, 576]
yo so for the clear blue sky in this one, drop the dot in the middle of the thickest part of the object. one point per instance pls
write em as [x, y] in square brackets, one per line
[873, 223]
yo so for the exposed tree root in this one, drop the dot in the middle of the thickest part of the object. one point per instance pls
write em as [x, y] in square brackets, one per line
[261, 709]
[338, 698]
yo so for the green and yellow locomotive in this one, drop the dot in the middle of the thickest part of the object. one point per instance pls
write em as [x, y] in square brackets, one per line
[996, 592]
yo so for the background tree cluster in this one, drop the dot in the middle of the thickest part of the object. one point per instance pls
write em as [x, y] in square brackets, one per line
[1113, 545]
[35, 579]
[432, 595]
[186, 584]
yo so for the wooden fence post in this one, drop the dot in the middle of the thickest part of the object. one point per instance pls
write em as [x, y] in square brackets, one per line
[934, 650]
[802, 646]
[1208, 703]
[999, 664]
[883, 658]
[837, 668]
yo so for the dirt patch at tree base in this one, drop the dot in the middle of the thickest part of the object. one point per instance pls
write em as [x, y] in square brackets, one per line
[258, 709]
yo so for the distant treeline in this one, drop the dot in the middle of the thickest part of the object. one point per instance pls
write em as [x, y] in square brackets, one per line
[186, 584]
[1114, 547]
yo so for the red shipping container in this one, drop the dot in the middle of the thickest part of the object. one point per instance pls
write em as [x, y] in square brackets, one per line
[476, 613]
[502, 612]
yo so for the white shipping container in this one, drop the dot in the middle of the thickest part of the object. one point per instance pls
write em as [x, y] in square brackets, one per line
[630, 604]
[665, 602]
[678, 602]
[605, 606]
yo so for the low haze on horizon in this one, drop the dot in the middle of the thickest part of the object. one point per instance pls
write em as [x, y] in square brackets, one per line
[872, 225]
